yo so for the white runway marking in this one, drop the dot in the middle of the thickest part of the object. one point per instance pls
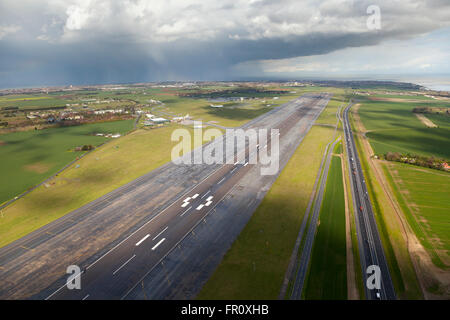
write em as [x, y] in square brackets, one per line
[200, 207]
[186, 211]
[233, 170]
[205, 194]
[221, 180]
[209, 198]
[160, 241]
[142, 240]
[160, 233]
[246, 164]
[85, 297]
[124, 264]
[208, 203]
[186, 202]
[195, 196]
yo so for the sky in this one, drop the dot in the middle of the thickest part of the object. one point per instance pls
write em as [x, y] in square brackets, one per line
[62, 42]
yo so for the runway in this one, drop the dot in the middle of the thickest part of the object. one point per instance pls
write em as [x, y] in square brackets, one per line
[122, 237]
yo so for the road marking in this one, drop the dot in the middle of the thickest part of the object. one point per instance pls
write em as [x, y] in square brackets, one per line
[142, 240]
[208, 203]
[200, 207]
[236, 162]
[245, 164]
[209, 198]
[85, 297]
[160, 233]
[124, 264]
[265, 146]
[195, 196]
[185, 202]
[221, 180]
[186, 211]
[233, 170]
[205, 194]
[160, 241]
[25, 248]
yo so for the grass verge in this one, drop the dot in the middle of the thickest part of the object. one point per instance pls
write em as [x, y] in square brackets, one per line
[328, 272]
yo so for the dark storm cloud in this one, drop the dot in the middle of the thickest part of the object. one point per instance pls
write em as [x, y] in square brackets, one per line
[63, 42]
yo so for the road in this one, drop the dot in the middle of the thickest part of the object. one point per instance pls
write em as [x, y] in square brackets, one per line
[369, 242]
[162, 215]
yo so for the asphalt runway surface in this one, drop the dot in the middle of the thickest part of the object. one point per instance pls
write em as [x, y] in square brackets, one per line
[369, 243]
[119, 239]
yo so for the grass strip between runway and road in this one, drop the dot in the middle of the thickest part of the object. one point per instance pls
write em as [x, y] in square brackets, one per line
[327, 278]
[255, 265]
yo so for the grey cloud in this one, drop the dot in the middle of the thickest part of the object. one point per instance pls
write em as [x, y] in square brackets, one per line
[130, 41]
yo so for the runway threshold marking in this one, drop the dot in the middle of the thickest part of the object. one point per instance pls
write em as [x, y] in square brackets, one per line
[142, 240]
[186, 211]
[195, 196]
[200, 207]
[156, 245]
[160, 233]
[245, 164]
[124, 264]
[186, 202]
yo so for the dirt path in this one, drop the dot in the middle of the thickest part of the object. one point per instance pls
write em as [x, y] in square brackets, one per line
[428, 274]
[427, 122]
[352, 290]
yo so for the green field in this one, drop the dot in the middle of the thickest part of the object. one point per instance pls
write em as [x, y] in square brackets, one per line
[327, 277]
[31, 101]
[256, 263]
[423, 195]
[394, 127]
[231, 115]
[27, 158]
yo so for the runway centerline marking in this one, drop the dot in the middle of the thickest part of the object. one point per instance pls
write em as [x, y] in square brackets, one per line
[221, 180]
[160, 233]
[186, 211]
[156, 245]
[205, 194]
[124, 264]
[142, 240]
[245, 164]
[85, 297]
